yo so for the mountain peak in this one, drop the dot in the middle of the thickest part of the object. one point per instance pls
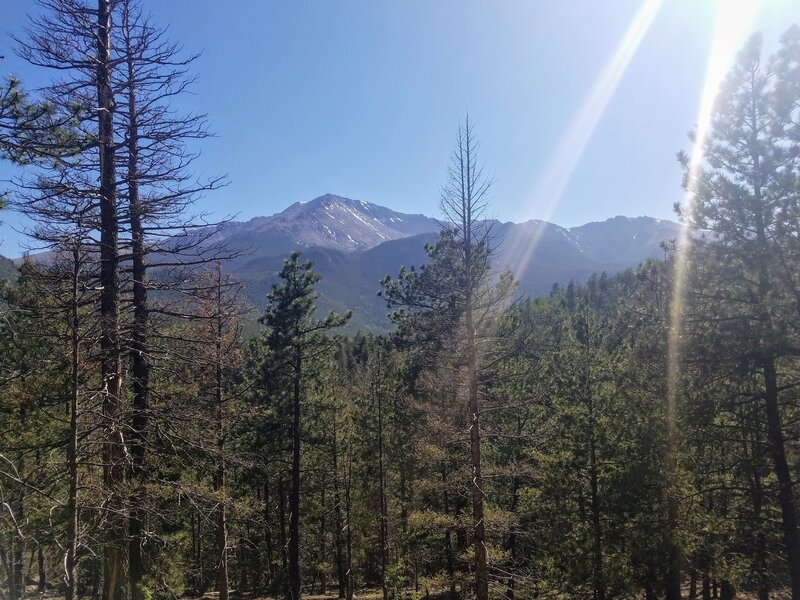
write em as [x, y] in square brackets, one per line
[325, 202]
[328, 197]
[338, 223]
[355, 243]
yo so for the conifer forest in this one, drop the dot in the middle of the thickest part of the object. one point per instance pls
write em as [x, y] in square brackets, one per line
[636, 435]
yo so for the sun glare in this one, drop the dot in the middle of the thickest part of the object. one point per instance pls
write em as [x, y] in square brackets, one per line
[732, 24]
[558, 171]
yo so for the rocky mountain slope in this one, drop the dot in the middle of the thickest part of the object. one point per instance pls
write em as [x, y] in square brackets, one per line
[328, 221]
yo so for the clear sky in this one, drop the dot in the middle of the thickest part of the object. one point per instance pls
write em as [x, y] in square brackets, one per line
[362, 99]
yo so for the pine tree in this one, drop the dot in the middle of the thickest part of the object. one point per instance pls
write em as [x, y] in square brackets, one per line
[453, 302]
[292, 337]
[745, 199]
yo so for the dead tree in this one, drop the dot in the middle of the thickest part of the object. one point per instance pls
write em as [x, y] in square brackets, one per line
[220, 309]
[66, 284]
[159, 235]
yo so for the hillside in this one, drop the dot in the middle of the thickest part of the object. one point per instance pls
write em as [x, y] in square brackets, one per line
[354, 244]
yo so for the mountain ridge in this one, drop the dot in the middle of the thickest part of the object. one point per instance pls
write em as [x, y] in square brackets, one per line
[308, 224]
[354, 244]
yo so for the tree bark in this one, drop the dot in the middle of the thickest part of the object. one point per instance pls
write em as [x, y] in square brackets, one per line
[468, 178]
[383, 533]
[268, 532]
[42, 586]
[672, 575]
[140, 367]
[478, 525]
[511, 541]
[727, 590]
[349, 518]
[113, 469]
[283, 539]
[294, 495]
[220, 478]
[70, 560]
[340, 552]
[323, 549]
[781, 465]
[448, 545]
[599, 585]
[757, 499]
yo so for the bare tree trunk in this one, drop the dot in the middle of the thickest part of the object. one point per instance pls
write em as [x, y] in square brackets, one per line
[200, 567]
[469, 198]
[113, 471]
[757, 498]
[597, 533]
[283, 540]
[222, 544]
[672, 576]
[478, 524]
[349, 517]
[323, 550]
[650, 579]
[220, 478]
[16, 547]
[268, 532]
[383, 533]
[42, 586]
[140, 367]
[448, 544]
[19, 558]
[511, 542]
[781, 465]
[70, 561]
[727, 590]
[294, 495]
[649, 593]
[340, 552]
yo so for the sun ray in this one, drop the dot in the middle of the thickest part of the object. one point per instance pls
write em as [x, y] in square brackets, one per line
[732, 23]
[556, 175]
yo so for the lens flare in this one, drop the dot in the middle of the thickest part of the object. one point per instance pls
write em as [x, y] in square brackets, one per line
[732, 22]
[556, 175]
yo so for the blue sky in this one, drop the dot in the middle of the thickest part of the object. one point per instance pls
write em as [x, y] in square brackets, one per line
[362, 98]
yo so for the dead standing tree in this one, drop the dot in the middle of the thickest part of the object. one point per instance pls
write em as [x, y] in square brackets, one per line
[448, 308]
[464, 203]
[73, 39]
[67, 285]
[158, 189]
[218, 351]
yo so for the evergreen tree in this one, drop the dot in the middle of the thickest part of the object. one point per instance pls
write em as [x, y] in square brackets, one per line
[744, 209]
[292, 338]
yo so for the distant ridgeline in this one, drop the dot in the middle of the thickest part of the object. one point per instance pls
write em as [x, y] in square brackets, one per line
[354, 244]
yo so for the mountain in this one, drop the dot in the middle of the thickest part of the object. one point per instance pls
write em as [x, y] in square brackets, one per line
[354, 244]
[328, 221]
